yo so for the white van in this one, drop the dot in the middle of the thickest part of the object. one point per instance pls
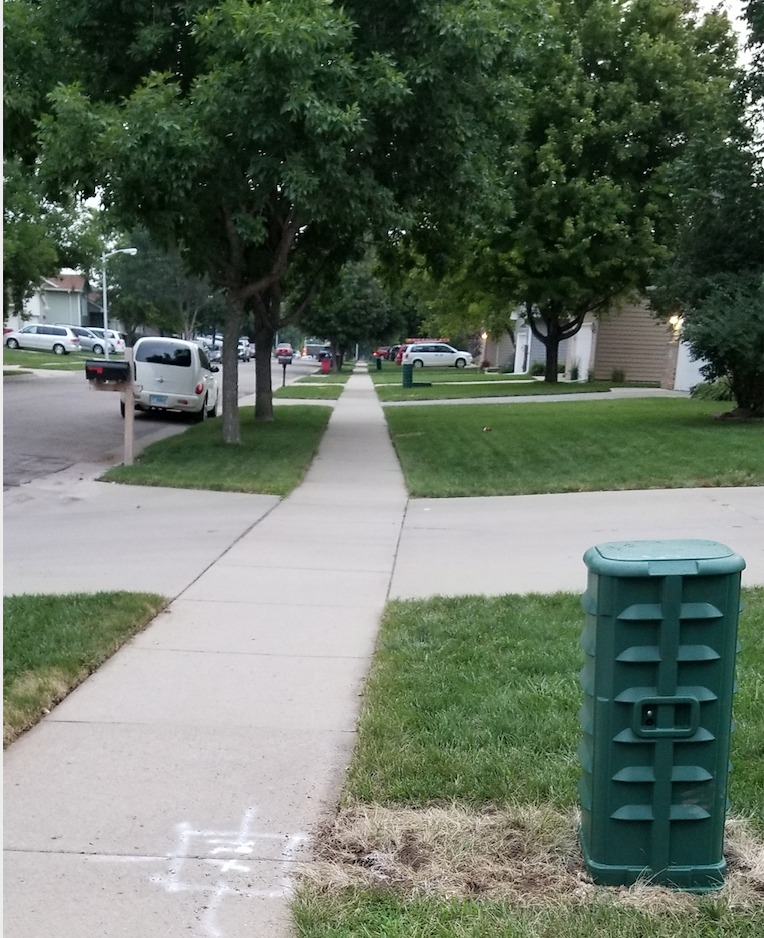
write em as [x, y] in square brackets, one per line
[172, 374]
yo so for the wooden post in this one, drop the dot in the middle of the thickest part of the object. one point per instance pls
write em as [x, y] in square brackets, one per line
[129, 410]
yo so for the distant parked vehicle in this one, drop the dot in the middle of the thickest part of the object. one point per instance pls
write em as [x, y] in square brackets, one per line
[173, 375]
[116, 338]
[382, 352]
[89, 341]
[284, 349]
[42, 337]
[244, 349]
[435, 353]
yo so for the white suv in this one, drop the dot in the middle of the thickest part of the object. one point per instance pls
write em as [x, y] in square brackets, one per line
[434, 353]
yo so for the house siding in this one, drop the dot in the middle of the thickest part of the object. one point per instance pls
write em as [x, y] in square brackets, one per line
[632, 341]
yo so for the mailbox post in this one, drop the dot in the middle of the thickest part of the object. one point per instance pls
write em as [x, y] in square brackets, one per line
[284, 360]
[103, 375]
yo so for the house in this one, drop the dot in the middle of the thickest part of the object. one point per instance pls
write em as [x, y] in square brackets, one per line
[632, 344]
[64, 299]
[628, 341]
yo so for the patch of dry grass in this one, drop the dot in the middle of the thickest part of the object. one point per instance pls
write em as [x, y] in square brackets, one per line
[529, 856]
[29, 696]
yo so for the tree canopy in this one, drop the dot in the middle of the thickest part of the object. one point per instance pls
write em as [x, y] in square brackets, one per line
[614, 93]
[261, 137]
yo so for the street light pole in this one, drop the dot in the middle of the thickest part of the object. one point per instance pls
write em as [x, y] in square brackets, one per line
[104, 258]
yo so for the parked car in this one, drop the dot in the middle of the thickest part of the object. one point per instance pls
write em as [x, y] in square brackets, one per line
[434, 353]
[89, 341]
[382, 352]
[244, 350]
[284, 349]
[116, 338]
[44, 338]
[173, 375]
[399, 353]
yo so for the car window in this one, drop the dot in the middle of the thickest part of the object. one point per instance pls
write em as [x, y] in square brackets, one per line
[163, 353]
[205, 362]
[28, 329]
[443, 348]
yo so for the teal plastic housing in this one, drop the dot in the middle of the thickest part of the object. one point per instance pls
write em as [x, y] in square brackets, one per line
[659, 644]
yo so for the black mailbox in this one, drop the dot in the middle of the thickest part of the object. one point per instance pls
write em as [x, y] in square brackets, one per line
[112, 374]
[285, 359]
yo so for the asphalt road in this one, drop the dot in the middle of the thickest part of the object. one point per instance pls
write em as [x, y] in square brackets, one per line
[52, 421]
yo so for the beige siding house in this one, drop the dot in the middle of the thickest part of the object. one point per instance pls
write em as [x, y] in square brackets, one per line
[629, 340]
[633, 342]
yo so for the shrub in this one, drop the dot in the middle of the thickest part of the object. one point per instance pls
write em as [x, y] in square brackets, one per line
[713, 391]
[538, 369]
[574, 373]
[726, 330]
[618, 376]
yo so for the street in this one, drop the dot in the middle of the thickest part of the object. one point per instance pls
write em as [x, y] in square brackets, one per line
[54, 420]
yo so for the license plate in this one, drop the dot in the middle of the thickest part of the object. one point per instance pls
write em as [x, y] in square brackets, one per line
[157, 400]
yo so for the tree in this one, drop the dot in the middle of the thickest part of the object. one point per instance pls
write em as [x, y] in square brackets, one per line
[613, 96]
[351, 309]
[154, 289]
[715, 277]
[249, 135]
[40, 237]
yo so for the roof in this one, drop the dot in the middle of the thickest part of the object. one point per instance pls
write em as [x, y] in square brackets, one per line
[67, 283]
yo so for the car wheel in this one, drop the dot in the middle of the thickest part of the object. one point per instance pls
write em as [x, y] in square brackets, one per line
[460, 363]
[418, 363]
[98, 350]
[58, 349]
[12, 343]
[213, 411]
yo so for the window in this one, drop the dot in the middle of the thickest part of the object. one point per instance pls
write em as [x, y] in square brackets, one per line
[163, 353]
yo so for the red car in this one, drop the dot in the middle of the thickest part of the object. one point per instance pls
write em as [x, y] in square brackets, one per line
[381, 352]
[399, 354]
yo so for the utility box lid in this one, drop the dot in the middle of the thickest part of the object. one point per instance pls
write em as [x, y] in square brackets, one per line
[662, 558]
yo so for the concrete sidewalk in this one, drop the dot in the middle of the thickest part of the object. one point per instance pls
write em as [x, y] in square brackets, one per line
[172, 793]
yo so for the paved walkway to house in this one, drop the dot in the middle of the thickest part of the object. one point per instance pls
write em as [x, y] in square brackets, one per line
[172, 793]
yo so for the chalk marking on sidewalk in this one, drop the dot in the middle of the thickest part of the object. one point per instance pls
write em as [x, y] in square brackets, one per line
[226, 851]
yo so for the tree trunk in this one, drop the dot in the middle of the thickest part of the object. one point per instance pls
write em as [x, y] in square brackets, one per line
[552, 348]
[231, 329]
[264, 335]
[267, 312]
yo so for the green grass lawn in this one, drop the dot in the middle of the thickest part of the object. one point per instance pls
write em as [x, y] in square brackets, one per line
[450, 391]
[473, 702]
[52, 643]
[310, 392]
[576, 446]
[74, 361]
[271, 458]
[391, 374]
[332, 377]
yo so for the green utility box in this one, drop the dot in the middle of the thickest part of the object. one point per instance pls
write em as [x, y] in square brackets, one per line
[659, 658]
[408, 376]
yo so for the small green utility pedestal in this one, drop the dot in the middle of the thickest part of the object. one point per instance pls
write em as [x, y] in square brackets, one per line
[659, 643]
[408, 376]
